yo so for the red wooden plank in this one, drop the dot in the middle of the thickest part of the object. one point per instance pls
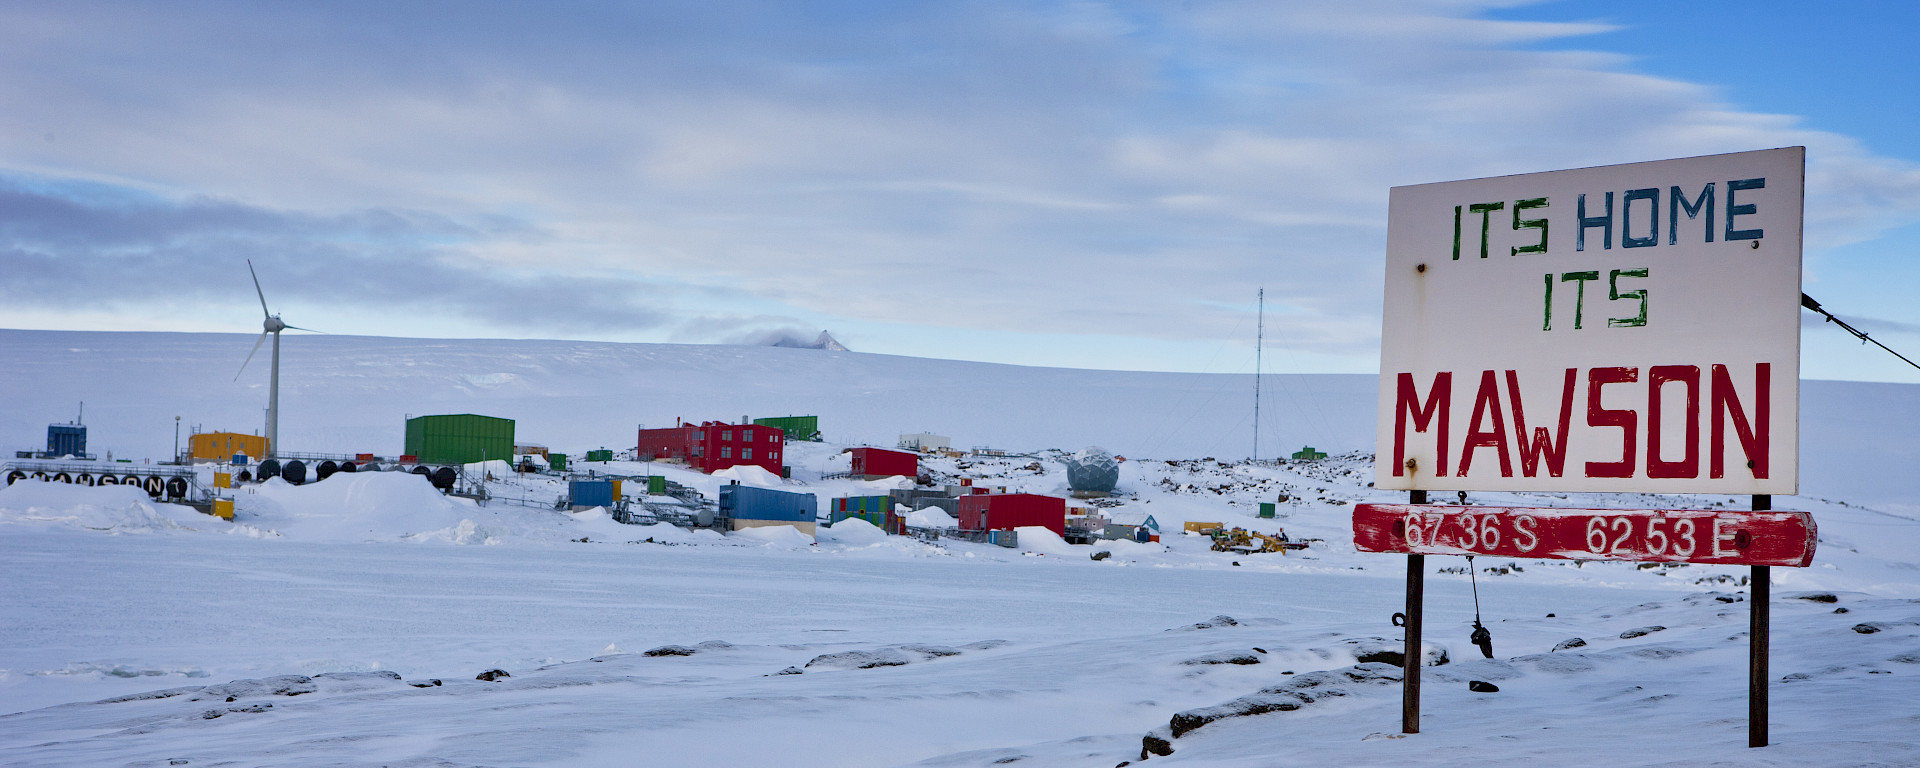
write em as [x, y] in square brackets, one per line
[1726, 537]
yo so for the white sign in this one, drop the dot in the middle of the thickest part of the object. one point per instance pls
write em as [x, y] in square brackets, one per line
[1625, 328]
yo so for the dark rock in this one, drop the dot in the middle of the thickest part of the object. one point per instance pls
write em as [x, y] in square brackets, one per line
[430, 683]
[1482, 686]
[789, 671]
[1841, 609]
[884, 657]
[1868, 628]
[380, 674]
[1216, 622]
[1154, 745]
[1570, 643]
[670, 650]
[1102, 555]
[150, 695]
[491, 675]
[1819, 597]
[1259, 650]
[1224, 657]
[1641, 632]
[281, 685]
[931, 651]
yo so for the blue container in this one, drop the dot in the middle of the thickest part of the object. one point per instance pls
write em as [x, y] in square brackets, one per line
[746, 502]
[66, 440]
[591, 493]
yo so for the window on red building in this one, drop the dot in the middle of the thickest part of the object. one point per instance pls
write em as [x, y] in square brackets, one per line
[746, 453]
[726, 434]
[726, 451]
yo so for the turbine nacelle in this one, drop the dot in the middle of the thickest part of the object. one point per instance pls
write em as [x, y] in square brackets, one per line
[273, 324]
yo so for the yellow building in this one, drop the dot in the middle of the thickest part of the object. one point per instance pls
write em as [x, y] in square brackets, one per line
[223, 445]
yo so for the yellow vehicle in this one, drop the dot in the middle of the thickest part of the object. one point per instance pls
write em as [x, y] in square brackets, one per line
[1243, 541]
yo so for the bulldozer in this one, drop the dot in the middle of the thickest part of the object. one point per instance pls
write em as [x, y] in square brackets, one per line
[1245, 542]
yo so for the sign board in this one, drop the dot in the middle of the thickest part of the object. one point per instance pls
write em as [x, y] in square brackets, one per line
[1724, 537]
[1628, 328]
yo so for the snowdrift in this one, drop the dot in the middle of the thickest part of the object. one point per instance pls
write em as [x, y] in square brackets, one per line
[111, 509]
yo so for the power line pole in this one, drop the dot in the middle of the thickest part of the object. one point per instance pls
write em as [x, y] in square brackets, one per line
[1259, 341]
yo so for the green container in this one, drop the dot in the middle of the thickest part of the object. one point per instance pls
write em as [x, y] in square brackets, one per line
[656, 484]
[557, 461]
[796, 427]
[459, 438]
[1266, 509]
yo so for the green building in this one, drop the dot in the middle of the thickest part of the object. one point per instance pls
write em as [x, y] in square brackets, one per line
[1307, 453]
[459, 438]
[796, 427]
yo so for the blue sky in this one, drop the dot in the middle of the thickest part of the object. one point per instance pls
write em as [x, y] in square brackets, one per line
[1069, 183]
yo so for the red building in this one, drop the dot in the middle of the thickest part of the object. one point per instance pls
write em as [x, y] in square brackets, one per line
[872, 463]
[713, 445]
[1007, 511]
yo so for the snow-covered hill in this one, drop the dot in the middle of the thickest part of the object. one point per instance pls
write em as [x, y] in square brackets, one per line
[353, 394]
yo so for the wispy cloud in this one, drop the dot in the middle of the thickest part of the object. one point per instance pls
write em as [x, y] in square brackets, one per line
[701, 170]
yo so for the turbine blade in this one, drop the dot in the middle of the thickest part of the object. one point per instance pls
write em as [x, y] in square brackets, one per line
[256, 348]
[256, 290]
[298, 328]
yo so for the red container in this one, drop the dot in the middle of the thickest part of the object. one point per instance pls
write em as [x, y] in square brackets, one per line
[363, 457]
[1007, 511]
[880, 462]
[409, 459]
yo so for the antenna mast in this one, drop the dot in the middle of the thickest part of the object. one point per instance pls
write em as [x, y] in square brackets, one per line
[1259, 341]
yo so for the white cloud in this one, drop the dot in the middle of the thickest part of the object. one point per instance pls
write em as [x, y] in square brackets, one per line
[1062, 168]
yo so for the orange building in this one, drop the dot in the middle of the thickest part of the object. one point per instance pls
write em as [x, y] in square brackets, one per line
[223, 445]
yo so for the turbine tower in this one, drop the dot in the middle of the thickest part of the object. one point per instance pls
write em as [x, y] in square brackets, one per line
[273, 325]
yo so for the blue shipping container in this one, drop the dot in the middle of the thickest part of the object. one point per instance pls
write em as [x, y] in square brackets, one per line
[746, 502]
[591, 493]
[66, 440]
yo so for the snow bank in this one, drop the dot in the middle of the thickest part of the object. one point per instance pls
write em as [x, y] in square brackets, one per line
[931, 517]
[774, 537]
[111, 508]
[374, 506]
[852, 531]
[1034, 538]
[749, 474]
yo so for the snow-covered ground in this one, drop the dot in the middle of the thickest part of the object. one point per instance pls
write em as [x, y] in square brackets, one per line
[309, 631]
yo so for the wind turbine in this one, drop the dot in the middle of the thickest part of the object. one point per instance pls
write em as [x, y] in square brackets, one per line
[272, 325]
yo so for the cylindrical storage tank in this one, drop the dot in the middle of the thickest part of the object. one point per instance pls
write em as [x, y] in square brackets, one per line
[40, 476]
[155, 485]
[62, 477]
[369, 468]
[244, 476]
[269, 470]
[109, 480]
[443, 478]
[15, 476]
[176, 488]
[423, 471]
[133, 480]
[349, 467]
[294, 472]
[83, 479]
[325, 470]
